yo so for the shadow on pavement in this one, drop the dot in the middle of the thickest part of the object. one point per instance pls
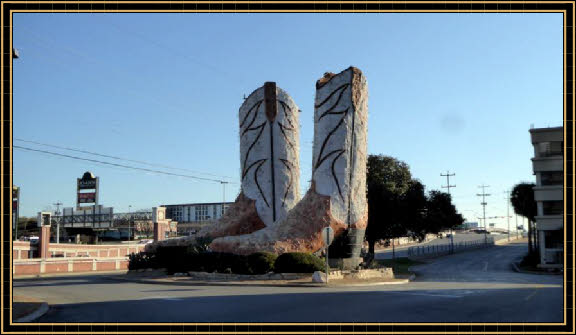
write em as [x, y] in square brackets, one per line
[501, 305]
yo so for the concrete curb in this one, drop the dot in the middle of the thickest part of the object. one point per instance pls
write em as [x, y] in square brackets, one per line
[34, 315]
[158, 280]
[69, 274]
[399, 282]
[517, 269]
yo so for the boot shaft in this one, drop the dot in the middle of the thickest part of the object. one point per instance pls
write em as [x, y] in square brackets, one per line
[269, 151]
[340, 143]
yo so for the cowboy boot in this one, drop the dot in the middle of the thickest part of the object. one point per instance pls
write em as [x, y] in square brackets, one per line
[269, 161]
[337, 196]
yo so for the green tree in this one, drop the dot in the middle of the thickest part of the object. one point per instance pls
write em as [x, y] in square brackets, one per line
[388, 179]
[413, 208]
[522, 199]
[441, 212]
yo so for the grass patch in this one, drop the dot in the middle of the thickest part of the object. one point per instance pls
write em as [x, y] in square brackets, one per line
[399, 265]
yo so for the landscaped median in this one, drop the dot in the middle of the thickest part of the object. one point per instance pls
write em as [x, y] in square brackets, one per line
[196, 264]
[401, 266]
[337, 278]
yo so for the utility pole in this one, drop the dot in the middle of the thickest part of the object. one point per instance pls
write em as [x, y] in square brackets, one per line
[508, 212]
[448, 175]
[58, 204]
[483, 203]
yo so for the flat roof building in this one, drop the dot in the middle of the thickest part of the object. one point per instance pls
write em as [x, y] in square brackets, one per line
[548, 167]
[192, 217]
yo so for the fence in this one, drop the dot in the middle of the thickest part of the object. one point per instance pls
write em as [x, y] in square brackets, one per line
[449, 248]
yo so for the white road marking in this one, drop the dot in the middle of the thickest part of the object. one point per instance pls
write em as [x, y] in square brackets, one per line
[428, 294]
[162, 298]
[531, 295]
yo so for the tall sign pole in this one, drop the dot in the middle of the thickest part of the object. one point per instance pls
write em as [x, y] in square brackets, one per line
[87, 191]
[58, 204]
[327, 237]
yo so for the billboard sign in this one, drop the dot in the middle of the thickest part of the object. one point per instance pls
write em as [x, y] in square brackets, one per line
[87, 197]
[87, 182]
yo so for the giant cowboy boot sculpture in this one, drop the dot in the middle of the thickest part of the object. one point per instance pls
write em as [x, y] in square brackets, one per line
[270, 168]
[337, 196]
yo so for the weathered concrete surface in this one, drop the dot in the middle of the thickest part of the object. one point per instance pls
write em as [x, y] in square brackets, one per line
[301, 231]
[340, 133]
[240, 218]
[269, 151]
[337, 196]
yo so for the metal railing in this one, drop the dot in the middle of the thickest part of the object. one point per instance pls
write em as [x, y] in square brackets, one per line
[448, 248]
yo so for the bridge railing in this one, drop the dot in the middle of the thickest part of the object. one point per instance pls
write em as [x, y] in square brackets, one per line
[449, 248]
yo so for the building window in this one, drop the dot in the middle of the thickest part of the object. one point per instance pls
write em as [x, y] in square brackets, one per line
[202, 213]
[547, 149]
[553, 207]
[223, 209]
[552, 178]
[174, 213]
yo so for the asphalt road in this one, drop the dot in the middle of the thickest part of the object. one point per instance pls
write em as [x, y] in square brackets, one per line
[459, 237]
[474, 286]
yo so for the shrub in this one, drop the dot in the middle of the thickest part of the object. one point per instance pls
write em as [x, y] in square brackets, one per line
[200, 245]
[298, 262]
[219, 262]
[173, 258]
[141, 260]
[261, 262]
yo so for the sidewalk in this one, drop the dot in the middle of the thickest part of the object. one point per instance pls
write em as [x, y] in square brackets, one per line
[26, 309]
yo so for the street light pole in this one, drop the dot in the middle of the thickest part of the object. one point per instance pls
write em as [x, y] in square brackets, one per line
[223, 191]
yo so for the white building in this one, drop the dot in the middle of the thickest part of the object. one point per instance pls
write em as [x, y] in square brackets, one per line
[470, 225]
[191, 217]
[548, 166]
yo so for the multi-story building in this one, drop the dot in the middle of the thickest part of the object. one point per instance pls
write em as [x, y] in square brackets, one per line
[548, 166]
[192, 217]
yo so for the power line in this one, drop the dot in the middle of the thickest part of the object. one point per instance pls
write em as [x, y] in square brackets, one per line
[120, 165]
[116, 157]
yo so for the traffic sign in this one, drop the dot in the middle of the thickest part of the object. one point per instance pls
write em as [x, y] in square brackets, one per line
[327, 235]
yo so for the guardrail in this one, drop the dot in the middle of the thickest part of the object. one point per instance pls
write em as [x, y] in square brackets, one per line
[449, 248]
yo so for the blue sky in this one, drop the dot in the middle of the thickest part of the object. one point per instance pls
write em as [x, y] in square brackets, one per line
[454, 92]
